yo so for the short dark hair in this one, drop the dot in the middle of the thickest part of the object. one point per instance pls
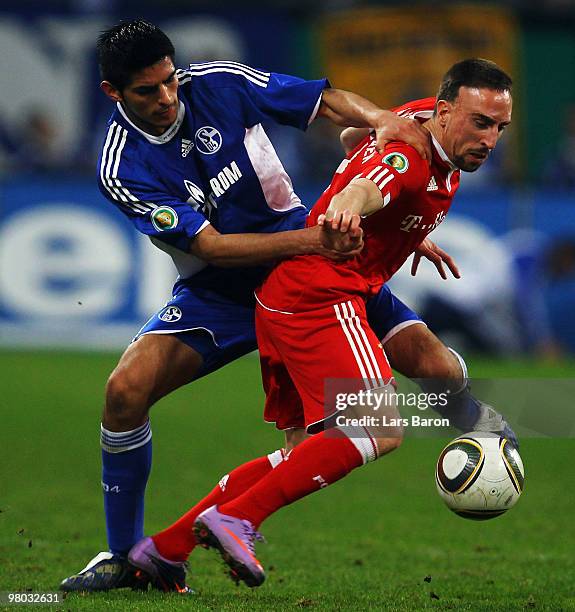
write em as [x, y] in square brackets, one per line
[478, 73]
[129, 47]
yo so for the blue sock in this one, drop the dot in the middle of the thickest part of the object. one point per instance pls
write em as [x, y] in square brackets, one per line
[462, 410]
[126, 464]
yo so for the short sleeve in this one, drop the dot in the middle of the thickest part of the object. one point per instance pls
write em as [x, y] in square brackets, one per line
[152, 211]
[400, 169]
[264, 96]
[290, 100]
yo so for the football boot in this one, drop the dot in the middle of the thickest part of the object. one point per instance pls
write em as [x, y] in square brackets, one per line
[107, 571]
[234, 538]
[167, 575]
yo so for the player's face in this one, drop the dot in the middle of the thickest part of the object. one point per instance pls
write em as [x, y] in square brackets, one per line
[473, 124]
[151, 98]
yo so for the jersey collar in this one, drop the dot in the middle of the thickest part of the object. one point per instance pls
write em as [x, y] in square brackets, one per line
[167, 135]
[442, 154]
[452, 167]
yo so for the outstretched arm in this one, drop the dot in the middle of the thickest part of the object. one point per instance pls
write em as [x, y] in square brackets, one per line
[347, 109]
[232, 250]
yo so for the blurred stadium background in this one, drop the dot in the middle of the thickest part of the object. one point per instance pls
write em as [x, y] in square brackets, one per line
[69, 261]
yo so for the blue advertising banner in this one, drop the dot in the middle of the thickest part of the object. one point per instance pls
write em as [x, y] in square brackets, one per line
[72, 269]
[74, 272]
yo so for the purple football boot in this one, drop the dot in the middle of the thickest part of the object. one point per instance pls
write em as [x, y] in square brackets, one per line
[167, 575]
[234, 538]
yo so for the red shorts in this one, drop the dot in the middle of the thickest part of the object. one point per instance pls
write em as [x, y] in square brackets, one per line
[306, 356]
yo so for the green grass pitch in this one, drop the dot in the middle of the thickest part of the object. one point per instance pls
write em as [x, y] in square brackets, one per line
[368, 542]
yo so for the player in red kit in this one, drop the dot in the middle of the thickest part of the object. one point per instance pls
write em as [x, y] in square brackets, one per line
[311, 315]
[307, 306]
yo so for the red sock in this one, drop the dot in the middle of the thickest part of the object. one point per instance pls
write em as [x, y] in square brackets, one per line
[177, 541]
[319, 461]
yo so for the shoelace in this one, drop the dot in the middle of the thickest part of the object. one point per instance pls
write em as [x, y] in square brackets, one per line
[252, 535]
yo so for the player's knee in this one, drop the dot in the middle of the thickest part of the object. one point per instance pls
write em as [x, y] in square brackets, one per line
[390, 440]
[294, 437]
[127, 400]
[384, 425]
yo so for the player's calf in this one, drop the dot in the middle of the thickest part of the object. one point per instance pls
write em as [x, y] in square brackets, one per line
[317, 462]
[464, 411]
[417, 353]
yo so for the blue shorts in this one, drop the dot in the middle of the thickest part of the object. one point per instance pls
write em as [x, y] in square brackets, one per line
[222, 329]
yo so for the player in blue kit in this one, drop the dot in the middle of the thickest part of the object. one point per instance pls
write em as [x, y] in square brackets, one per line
[186, 159]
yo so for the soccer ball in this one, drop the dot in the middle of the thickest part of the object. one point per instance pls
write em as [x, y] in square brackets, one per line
[479, 475]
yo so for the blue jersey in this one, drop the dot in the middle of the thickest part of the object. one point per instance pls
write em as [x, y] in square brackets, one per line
[214, 165]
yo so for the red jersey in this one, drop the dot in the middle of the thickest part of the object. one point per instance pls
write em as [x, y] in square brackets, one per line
[416, 198]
